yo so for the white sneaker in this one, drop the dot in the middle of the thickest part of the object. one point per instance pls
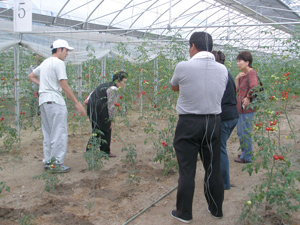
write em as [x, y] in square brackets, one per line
[60, 168]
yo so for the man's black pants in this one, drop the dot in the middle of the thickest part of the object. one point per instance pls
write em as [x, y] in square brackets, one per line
[199, 134]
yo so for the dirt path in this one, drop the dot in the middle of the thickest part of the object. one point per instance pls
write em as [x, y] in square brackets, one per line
[104, 197]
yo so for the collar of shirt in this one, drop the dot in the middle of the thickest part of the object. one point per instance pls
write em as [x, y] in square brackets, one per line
[203, 55]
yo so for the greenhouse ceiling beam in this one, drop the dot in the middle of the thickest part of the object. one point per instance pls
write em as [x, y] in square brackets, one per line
[167, 28]
[62, 8]
[146, 10]
[195, 16]
[215, 39]
[66, 13]
[117, 11]
[203, 20]
[251, 13]
[118, 14]
[267, 7]
[160, 28]
[177, 18]
[162, 15]
[84, 25]
[228, 21]
[138, 15]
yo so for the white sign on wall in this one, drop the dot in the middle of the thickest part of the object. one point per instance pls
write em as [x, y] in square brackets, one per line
[22, 15]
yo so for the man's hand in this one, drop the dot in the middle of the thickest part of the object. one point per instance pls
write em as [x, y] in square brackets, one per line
[175, 88]
[33, 78]
[86, 102]
[80, 108]
[64, 85]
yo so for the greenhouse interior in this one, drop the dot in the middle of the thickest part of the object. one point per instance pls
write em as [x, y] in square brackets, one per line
[147, 39]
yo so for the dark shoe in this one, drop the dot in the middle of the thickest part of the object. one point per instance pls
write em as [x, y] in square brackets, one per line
[111, 155]
[239, 160]
[173, 214]
[47, 166]
[214, 216]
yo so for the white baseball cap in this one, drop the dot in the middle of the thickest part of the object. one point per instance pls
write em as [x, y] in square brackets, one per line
[61, 44]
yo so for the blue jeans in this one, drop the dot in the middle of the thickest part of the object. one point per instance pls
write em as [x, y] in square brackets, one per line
[244, 128]
[226, 130]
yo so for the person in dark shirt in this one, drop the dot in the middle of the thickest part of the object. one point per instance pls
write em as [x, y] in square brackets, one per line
[229, 119]
[101, 111]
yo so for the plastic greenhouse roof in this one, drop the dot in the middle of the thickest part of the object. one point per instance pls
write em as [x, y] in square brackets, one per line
[245, 24]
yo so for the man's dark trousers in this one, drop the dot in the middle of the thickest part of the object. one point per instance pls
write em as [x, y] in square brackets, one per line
[199, 134]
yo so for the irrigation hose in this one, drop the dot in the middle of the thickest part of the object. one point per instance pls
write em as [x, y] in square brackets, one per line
[128, 221]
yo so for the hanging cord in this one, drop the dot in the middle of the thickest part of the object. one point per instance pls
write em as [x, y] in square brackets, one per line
[128, 221]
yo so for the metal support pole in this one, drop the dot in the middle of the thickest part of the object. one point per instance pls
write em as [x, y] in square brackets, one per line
[17, 88]
[140, 90]
[79, 74]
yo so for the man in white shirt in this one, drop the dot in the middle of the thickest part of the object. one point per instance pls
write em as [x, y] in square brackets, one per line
[52, 80]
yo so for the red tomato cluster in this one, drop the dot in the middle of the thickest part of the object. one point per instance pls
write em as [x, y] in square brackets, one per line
[272, 123]
[2, 119]
[294, 97]
[141, 93]
[165, 87]
[259, 124]
[117, 104]
[22, 113]
[276, 157]
[285, 75]
[164, 144]
[155, 106]
[285, 95]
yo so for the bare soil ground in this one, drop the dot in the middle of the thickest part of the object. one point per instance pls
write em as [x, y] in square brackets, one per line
[105, 197]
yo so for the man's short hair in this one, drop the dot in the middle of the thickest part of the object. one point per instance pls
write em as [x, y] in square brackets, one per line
[202, 41]
[245, 56]
[119, 76]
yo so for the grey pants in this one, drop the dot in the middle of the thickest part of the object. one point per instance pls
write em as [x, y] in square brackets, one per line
[55, 132]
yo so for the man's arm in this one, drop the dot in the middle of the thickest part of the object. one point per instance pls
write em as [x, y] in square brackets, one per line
[175, 88]
[33, 78]
[66, 88]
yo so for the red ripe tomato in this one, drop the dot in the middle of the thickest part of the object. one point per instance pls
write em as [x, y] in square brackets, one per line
[268, 128]
[275, 157]
[280, 157]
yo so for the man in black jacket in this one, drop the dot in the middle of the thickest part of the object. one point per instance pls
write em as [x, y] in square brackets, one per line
[101, 105]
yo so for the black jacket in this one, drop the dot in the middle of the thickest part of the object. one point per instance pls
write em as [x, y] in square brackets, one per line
[228, 104]
[97, 109]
